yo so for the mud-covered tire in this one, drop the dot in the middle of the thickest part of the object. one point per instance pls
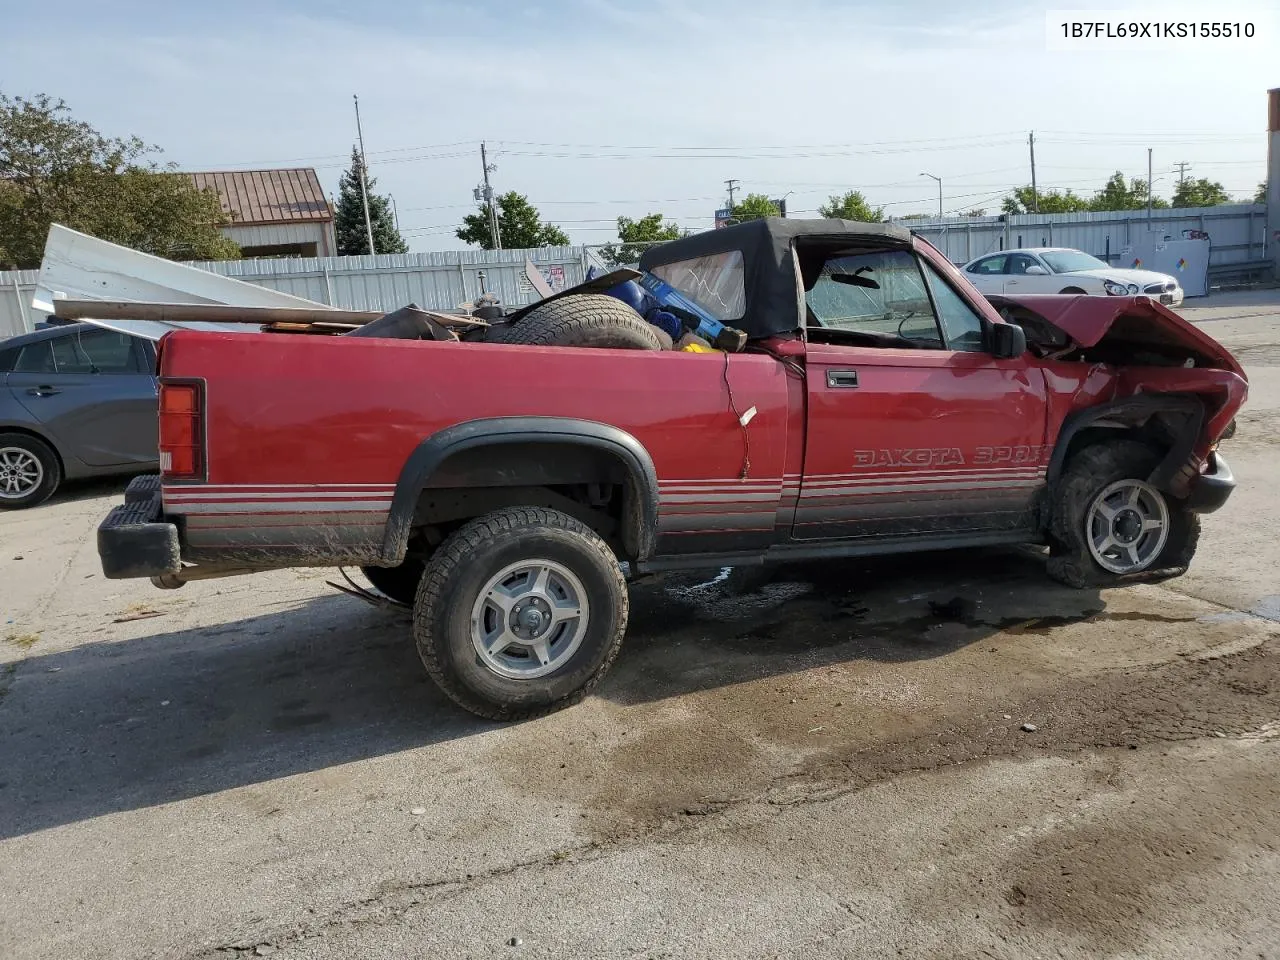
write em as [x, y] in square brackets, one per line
[1087, 475]
[399, 583]
[1230, 432]
[463, 568]
[584, 320]
[27, 457]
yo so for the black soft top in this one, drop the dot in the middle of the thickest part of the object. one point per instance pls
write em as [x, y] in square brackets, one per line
[769, 271]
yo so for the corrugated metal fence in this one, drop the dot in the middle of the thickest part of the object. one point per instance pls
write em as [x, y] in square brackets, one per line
[1237, 232]
[441, 281]
[438, 281]
[16, 313]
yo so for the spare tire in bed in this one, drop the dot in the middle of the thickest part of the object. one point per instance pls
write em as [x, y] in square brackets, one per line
[584, 320]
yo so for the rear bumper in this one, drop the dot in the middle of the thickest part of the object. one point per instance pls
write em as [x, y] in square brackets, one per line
[1212, 488]
[134, 540]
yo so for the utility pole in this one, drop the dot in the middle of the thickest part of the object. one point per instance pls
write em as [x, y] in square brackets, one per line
[1182, 172]
[1035, 195]
[732, 185]
[494, 234]
[395, 214]
[1150, 188]
[939, 179]
[364, 178]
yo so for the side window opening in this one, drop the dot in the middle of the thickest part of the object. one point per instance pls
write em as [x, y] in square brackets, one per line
[96, 351]
[1019, 262]
[876, 297]
[35, 358]
[960, 323]
[92, 352]
[990, 265]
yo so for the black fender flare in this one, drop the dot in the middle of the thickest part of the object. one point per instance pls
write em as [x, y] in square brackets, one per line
[438, 447]
[1166, 476]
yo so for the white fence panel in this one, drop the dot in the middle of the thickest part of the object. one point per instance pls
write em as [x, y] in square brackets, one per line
[1237, 232]
[16, 313]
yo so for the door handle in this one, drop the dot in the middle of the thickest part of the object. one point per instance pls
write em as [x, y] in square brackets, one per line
[842, 378]
[42, 391]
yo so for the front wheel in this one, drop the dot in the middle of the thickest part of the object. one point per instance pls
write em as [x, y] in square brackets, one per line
[520, 613]
[1109, 524]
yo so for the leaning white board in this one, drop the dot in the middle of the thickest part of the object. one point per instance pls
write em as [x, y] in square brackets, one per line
[80, 267]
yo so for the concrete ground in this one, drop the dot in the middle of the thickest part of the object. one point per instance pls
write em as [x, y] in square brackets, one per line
[826, 768]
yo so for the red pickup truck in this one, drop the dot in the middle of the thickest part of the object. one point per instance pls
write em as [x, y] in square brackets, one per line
[881, 405]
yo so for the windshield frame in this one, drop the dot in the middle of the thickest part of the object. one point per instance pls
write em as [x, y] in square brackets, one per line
[1048, 257]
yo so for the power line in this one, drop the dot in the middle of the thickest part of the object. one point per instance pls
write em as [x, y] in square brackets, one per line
[781, 146]
[788, 156]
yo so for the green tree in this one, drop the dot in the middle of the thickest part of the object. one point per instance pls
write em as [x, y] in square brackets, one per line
[1201, 192]
[519, 224]
[636, 236]
[1050, 201]
[348, 219]
[1261, 195]
[1116, 194]
[754, 206]
[56, 169]
[976, 212]
[851, 206]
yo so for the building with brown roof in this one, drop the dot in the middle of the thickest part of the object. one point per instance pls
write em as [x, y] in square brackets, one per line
[275, 213]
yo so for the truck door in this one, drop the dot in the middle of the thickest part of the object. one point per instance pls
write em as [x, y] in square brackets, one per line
[914, 431]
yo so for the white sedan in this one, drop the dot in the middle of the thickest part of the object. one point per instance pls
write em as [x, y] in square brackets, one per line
[1060, 270]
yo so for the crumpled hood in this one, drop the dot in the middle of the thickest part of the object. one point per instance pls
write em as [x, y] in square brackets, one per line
[1139, 320]
[1140, 277]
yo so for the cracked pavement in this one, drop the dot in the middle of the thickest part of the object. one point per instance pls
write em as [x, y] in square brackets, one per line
[825, 768]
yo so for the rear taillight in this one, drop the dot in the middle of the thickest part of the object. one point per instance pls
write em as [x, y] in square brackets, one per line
[181, 430]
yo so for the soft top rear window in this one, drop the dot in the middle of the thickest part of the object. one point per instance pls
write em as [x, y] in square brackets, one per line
[716, 283]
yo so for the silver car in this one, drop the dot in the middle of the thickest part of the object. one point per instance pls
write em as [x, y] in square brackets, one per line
[75, 401]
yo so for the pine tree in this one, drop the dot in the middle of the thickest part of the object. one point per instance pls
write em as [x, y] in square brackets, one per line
[348, 219]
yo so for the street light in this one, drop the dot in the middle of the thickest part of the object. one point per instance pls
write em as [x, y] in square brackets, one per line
[939, 179]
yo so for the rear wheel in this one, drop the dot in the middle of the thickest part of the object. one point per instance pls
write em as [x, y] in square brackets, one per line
[29, 471]
[1110, 524]
[520, 613]
[399, 583]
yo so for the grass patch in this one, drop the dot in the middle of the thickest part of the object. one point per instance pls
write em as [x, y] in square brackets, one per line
[23, 640]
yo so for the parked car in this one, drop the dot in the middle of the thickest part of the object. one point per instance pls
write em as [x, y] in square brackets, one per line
[75, 401]
[882, 405]
[1061, 270]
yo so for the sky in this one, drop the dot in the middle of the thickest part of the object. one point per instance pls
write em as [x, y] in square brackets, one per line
[596, 109]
